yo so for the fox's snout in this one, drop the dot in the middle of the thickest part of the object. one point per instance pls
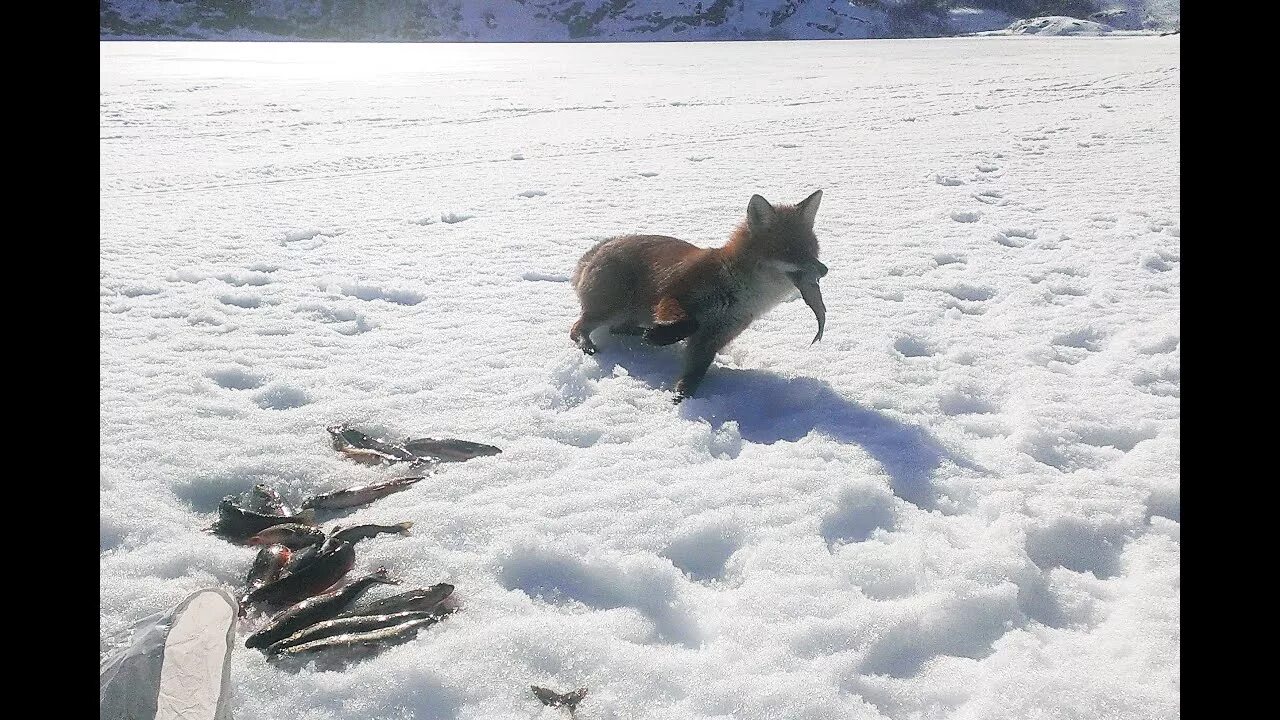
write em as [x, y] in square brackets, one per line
[817, 270]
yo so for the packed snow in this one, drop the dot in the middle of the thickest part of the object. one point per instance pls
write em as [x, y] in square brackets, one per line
[962, 503]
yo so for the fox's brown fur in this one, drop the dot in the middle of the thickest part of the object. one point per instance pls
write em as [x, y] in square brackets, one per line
[673, 290]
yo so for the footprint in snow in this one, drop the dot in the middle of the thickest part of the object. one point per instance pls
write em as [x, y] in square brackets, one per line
[910, 347]
[532, 193]
[452, 218]
[535, 276]
[990, 197]
[948, 259]
[948, 180]
[648, 174]
[987, 167]
[788, 145]
[1015, 237]
[965, 216]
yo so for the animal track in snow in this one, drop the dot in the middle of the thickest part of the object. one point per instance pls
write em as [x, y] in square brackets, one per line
[534, 275]
[788, 145]
[965, 401]
[1073, 544]
[856, 517]
[532, 193]
[374, 292]
[702, 555]
[308, 239]
[241, 279]
[971, 293]
[1014, 237]
[1120, 438]
[990, 197]
[949, 259]
[236, 378]
[948, 180]
[281, 397]
[987, 167]
[647, 173]
[1085, 338]
[699, 158]
[965, 216]
[909, 346]
[452, 218]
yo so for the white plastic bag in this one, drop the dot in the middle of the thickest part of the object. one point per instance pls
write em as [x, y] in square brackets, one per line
[177, 664]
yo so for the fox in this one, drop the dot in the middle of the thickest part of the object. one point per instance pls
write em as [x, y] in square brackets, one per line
[669, 290]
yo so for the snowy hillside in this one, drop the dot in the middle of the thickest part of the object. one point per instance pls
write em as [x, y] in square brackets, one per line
[963, 503]
[562, 20]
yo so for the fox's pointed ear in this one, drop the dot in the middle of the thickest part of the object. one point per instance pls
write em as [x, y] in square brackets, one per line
[809, 207]
[760, 214]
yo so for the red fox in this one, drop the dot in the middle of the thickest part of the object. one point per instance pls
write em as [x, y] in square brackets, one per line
[669, 290]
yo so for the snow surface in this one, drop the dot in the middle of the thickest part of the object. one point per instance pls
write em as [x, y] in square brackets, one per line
[962, 503]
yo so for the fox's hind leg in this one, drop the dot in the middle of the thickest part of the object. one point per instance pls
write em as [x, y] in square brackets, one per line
[581, 331]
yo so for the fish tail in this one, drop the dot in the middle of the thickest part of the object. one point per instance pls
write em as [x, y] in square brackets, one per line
[308, 516]
[404, 527]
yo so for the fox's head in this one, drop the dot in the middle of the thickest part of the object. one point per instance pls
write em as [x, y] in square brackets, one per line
[782, 236]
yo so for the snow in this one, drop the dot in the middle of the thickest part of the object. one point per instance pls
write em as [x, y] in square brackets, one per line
[962, 503]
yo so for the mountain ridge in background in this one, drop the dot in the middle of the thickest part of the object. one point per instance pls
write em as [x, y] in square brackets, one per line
[616, 20]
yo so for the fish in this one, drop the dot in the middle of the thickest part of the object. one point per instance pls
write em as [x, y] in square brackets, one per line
[294, 536]
[350, 624]
[267, 566]
[551, 698]
[424, 599]
[236, 523]
[812, 295]
[357, 533]
[332, 561]
[265, 500]
[342, 436]
[448, 449]
[373, 639]
[316, 609]
[359, 495]
[365, 456]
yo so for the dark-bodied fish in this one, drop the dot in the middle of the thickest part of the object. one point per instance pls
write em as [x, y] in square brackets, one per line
[423, 599]
[316, 609]
[236, 523]
[551, 698]
[373, 639]
[345, 625]
[294, 536]
[343, 436]
[355, 534]
[265, 500]
[331, 562]
[358, 495]
[267, 565]
[448, 449]
[812, 295]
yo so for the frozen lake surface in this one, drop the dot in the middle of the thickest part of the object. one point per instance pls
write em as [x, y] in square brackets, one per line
[962, 503]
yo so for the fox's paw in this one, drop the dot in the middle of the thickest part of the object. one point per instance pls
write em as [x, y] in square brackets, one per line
[586, 346]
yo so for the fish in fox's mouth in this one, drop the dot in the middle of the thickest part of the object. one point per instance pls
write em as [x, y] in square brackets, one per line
[806, 281]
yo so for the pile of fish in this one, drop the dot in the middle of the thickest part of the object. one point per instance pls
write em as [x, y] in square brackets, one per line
[299, 565]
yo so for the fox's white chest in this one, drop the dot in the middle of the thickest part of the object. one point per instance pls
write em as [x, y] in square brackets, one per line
[758, 293]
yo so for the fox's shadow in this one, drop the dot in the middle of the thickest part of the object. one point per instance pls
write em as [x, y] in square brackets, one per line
[768, 408]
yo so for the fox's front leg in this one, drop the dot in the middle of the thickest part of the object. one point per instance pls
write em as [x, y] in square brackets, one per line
[698, 355]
